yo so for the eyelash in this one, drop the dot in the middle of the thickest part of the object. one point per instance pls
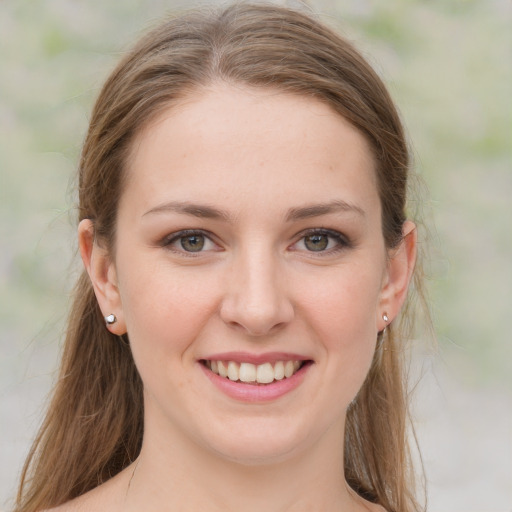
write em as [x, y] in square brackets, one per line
[341, 241]
[169, 240]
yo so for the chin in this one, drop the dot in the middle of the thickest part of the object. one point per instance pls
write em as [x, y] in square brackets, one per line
[263, 442]
[258, 453]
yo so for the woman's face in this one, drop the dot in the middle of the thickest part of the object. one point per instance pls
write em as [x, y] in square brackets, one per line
[249, 240]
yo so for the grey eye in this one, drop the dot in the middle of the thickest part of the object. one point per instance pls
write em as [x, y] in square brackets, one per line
[192, 243]
[317, 242]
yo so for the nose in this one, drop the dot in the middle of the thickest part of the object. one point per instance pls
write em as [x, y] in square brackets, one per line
[256, 298]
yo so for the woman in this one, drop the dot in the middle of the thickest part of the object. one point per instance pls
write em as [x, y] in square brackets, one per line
[234, 341]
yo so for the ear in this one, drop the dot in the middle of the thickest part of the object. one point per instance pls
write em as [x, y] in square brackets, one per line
[102, 273]
[398, 276]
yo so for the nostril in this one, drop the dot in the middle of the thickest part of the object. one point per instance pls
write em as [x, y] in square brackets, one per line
[257, 331]
[257, 319]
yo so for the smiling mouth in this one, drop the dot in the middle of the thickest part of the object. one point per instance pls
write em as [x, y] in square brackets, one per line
[255, 374]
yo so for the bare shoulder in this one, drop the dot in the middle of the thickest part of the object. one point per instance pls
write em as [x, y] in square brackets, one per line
[69, 506]
[87, 502]
[108, 496]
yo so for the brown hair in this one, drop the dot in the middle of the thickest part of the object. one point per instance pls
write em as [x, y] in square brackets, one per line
[94, 424]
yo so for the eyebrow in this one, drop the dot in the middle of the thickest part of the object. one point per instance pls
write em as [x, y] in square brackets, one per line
[186, 208]
[293, 214]
[315, 210]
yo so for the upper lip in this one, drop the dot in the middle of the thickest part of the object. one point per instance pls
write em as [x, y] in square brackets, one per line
[247, 357]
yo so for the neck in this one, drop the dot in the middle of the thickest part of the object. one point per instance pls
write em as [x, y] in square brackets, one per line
[178, 475]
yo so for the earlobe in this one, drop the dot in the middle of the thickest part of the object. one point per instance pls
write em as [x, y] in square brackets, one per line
[399, 273]
[103, 276]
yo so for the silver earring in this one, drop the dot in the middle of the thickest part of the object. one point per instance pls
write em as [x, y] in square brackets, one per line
[110, 319]
[383, 332]
[386, 319]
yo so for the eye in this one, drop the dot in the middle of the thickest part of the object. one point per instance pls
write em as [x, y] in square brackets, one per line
[321, 240]
[316, 242]
[190, 241]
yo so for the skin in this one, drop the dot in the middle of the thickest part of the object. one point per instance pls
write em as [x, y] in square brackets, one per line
[262, 158]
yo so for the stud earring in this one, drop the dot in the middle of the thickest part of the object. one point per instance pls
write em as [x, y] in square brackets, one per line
[110, 319]
[383, 332]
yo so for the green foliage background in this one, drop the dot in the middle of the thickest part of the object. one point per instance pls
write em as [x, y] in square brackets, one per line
[448, 63]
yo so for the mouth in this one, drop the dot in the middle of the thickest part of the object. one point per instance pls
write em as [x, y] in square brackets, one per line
[255, 374]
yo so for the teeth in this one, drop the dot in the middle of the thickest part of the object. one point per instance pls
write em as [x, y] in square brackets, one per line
[279, 370]
[247, 372]
[223, 371]
[288, 369]
[233, 372]
[265, 373]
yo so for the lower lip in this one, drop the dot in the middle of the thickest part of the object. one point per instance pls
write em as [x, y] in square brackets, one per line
[254, 392]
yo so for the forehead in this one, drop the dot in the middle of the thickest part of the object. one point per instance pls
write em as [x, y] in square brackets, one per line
[246, 144]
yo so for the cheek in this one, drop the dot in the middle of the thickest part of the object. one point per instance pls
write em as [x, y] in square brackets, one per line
[164, 309]
[165, 314]
[343, 304]
[341, 314]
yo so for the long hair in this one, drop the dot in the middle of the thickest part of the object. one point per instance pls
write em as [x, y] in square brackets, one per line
[94, 425]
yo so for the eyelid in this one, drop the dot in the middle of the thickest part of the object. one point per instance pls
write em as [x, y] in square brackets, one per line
[343, 242]
[171, 238]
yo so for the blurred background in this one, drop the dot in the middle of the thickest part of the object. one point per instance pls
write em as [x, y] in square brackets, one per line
[447, 63]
